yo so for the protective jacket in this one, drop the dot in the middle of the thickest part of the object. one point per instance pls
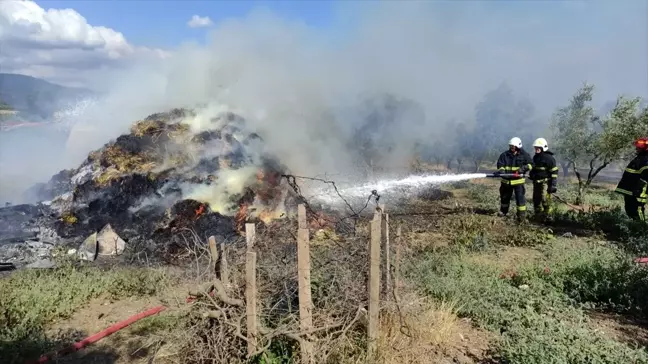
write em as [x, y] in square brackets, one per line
[544, 169]
[634, 181]
[511, 163]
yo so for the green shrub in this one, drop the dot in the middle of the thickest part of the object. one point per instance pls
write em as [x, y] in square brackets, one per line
[613, 222]
[601, 276]
[536, 307]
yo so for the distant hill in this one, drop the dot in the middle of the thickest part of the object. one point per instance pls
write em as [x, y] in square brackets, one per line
[36, 98]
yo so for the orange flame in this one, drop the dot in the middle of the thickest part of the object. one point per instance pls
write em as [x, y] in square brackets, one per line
[320, 220]
[241, 218]
[200, 210]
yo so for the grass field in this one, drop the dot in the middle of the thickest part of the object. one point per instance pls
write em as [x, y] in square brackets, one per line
[477, 289]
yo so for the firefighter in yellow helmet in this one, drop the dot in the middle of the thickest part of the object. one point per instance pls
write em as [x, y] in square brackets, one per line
[514, 161]
[634, 182]
[544, 176]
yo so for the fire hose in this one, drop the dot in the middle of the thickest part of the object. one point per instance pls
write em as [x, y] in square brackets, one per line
[104, 333]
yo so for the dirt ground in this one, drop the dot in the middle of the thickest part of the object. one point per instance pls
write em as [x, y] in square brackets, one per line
[136, 343]
[629, 330]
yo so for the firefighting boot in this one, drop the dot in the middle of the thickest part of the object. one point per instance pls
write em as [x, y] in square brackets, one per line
[521, 216]
[504, 209]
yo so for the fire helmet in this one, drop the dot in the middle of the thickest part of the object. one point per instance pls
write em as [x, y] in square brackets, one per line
[541, 143]
[641, 143]
[516, 142]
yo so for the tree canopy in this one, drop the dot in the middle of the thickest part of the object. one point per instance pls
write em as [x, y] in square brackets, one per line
[591, 142]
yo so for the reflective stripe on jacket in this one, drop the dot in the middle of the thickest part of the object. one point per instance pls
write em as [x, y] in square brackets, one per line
[634, 181]
[511, 163]
[544, 168]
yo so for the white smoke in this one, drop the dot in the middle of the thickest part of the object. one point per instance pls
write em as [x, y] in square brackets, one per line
[303, 90]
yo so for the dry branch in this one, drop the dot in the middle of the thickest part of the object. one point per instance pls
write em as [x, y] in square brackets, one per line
[219, 291]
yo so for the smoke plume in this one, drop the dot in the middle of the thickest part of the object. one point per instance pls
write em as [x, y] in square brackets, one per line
[311, 93]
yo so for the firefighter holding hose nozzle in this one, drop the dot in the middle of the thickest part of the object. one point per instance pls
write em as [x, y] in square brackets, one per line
[634, 182]
[544, 176]
[512, 165]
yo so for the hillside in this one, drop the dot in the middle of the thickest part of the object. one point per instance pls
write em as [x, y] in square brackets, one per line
[34, 97]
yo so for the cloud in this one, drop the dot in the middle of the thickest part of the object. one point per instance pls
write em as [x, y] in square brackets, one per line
[199, 22]
[60, 45]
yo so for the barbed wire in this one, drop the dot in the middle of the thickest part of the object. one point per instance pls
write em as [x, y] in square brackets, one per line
[292, 182]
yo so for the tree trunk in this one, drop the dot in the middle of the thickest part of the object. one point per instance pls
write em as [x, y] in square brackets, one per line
[579, 196]
[565, 167]
[594, 172]
[581, 192]
[477, 166]
[449, 164]
[459, 164]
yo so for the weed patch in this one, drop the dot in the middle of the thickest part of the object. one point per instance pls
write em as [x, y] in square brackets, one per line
[536, 306]
[30, 299]
[613, 222]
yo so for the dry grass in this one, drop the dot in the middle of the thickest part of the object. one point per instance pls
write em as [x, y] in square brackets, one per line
[179, 158]
[426, 240]
[108, 175]
[121, 162]
[147, 127]
[127, 162]
[178, 132]
[432, 333]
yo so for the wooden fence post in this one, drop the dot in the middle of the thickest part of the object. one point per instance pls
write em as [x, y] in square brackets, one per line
[251, 291]
[303, 276]
[399, 243]
[214, 254]
[224, 273]
[250, 235]
[385, 234]
[374, 284]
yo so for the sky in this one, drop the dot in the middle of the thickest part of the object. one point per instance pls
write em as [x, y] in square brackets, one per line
[296, 69]
[100, 35]
[70, 42]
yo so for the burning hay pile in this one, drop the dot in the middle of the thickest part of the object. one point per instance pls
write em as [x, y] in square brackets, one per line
[176, 174]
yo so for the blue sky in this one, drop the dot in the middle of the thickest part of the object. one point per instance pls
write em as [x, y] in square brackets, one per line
[604, 41]
[163, 23]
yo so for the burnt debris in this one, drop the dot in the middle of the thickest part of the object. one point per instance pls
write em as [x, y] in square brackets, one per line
[141, 185]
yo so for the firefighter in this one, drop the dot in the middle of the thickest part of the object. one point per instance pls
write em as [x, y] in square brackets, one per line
[513, 161]
[544, 176]
[634, 182]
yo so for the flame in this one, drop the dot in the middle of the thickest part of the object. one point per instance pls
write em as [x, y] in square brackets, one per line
[200, 210]
[268, 215]
[320, 220]
[241, 218]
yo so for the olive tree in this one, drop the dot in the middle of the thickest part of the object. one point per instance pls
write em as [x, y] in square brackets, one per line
[590, 143]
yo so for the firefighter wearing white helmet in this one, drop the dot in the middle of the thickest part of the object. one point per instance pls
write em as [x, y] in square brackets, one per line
[544, 176]
[512, 165]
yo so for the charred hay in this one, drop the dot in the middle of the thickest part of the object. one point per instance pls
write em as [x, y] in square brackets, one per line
[141, 184]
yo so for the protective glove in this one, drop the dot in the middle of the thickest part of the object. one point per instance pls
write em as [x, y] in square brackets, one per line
[552, 189]
[497, 173]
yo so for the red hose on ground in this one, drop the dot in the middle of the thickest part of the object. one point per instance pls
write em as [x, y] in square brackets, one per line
[100, 335]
